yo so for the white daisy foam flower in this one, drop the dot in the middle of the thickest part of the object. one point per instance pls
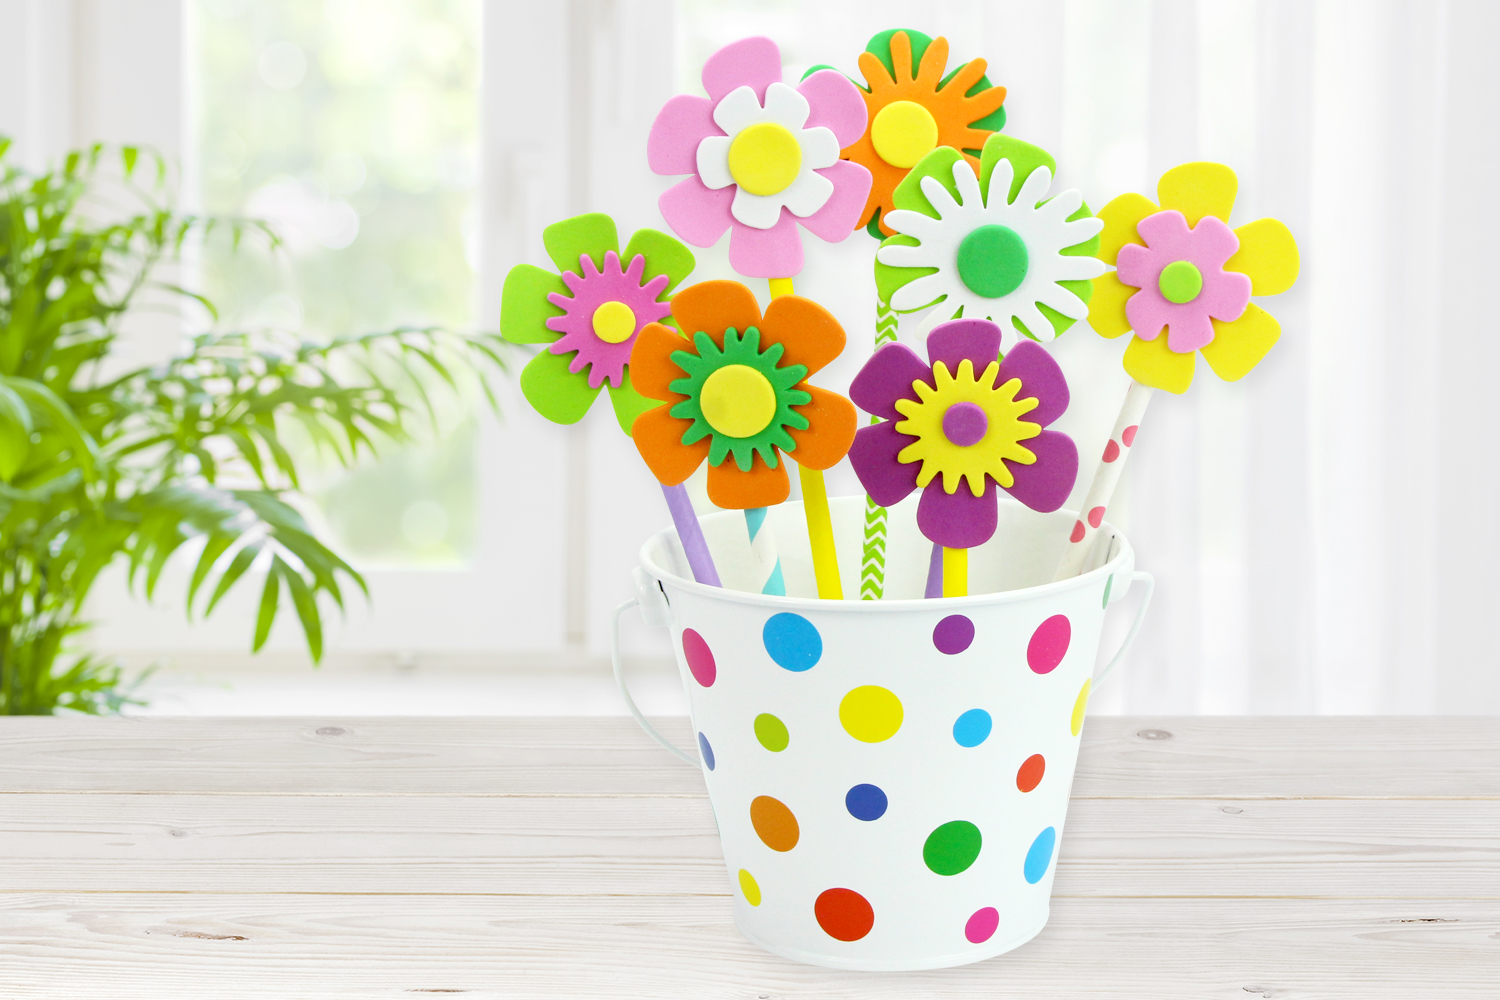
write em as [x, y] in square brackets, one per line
[768, 154]
[991, 246]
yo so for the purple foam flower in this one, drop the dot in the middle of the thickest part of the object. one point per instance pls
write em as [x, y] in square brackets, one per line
[961, 424]
[1182, 281]
[581, 326]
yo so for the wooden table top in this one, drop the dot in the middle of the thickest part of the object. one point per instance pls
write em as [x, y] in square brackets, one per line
[400, 857]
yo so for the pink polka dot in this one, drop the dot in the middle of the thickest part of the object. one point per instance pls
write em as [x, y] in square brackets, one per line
[1128, 434]
[1077, 535]
[1049, 644]
[700, 658]
[981, 926]
[1095, 516]
[1111, 450]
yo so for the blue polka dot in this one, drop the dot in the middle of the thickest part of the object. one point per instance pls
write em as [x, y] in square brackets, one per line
[1040, 855]
[706, 751]
[792, 641]
[866, 802]
[973, 727]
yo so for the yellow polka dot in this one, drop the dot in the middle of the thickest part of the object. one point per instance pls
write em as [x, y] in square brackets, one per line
[903, 132]
[870, 713]
[749, 887]
[765, 158]
[738, 401]
[614, 323]
[1079, 706]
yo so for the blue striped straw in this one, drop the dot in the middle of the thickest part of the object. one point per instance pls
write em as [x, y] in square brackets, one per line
[763, 549]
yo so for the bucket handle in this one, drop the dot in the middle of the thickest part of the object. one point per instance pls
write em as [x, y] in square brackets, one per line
[1139, 576]
[614, 657]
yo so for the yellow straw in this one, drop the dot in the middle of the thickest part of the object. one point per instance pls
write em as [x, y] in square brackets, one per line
[955, 572]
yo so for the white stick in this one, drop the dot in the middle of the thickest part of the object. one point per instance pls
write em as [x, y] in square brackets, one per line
[1111, 464]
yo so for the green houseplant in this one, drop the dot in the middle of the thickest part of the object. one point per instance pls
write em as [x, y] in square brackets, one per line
[134, 466]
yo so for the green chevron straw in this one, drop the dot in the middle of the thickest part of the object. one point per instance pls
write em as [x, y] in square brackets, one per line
[872, 569]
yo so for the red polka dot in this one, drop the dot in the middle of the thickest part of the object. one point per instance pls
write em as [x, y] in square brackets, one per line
[1095, 516]
[1030, 774]
[1049, 644]
[1111, 450]
[700, 658]
[1077, 535]
[981, 926]
[1128, 434]
[844, 914]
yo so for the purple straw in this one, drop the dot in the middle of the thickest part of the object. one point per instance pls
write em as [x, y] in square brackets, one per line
[690, 533]
[935, 572]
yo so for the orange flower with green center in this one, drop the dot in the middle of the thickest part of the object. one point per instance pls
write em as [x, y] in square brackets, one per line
[913, 109]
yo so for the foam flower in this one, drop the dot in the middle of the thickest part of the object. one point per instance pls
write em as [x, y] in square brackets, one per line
[590, 314]
[764, 159]
[735, 392]
[913, 109]
[1180, 268]
[961, 424]
[990, 244]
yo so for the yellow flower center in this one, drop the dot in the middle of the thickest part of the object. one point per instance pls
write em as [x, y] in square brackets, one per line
[903, 132]
[614, 322]
[737, 401]
[1003, 431]
[765, 158]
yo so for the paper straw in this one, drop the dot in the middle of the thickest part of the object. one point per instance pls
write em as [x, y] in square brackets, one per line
[690, 534]
[763, 550]
[955, 572]
[934, 573]
[1111, 464]
[872, 566]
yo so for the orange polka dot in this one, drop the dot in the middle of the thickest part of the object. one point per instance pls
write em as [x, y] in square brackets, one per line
[774, 823]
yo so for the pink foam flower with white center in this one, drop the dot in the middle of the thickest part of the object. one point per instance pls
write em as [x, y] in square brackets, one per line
[793, 136]
[1207, 246]
[591, 289]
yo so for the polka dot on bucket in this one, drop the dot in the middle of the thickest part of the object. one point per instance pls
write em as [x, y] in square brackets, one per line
[774, 823]
[1108, 586]
[1079, 706]
[866, 802]
[1049, 644]
[981, 926]
[870, 714]
[700, 659]
[844, 914]
[952, 847]
[953, 634]
[792, 641]
[706, 751]
[1040, 855]
[771, 732]
[973, 727]
[750, 888]
[1031, 771]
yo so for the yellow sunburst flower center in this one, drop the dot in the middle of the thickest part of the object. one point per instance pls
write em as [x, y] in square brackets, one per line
[1003, 428]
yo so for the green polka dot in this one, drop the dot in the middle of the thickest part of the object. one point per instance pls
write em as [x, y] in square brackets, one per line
[1180, 282]
[1107, 585]
[952, 847]
[992, 261]
[772, 733]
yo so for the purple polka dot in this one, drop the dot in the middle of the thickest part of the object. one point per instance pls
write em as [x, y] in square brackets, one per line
[981, 926]
[965, 424]
[1049, 644]
[700, 658]
[953, 634]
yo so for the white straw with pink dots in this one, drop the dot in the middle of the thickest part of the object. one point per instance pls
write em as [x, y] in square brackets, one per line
[1111, 464]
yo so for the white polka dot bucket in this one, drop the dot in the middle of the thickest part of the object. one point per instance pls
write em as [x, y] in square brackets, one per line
[890, 778]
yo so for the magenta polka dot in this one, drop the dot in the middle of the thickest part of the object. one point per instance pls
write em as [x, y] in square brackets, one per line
[1111, 450]
[981, 926]
[1128, 434]
[953, 634]
[700, 658]
[1049, 644]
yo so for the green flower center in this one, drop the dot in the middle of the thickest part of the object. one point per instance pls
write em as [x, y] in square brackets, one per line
[740, 396]
[1180, 281]
[992, 261]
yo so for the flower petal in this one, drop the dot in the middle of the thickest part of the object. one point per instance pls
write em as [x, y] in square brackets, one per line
[749, 62]
[886, 377]
[524, 309]
[1044, 485]
[712, 164]
[592, 234]
[762, 486]
[1153, 363]
[681, 124]
[628, 403]
[1239, 346]
[754, 210]
[710, 307]
[1024, 160]
[808, 332]
[739, 109]
[1121, 216]
[958, 520]
[1188, 330]
[978, 340]
[837, 105]
[1041, 379]
[1107, 307]
[810, 193]
[1268, 254]
[830, 431]
[561, 396]
[767, 253]
[663, 254]
[652, 370]
[840, 214]
[658, 437]
[937, 164]
[1198, 189]
[873, 456]
[695, 213]
[889, 279]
